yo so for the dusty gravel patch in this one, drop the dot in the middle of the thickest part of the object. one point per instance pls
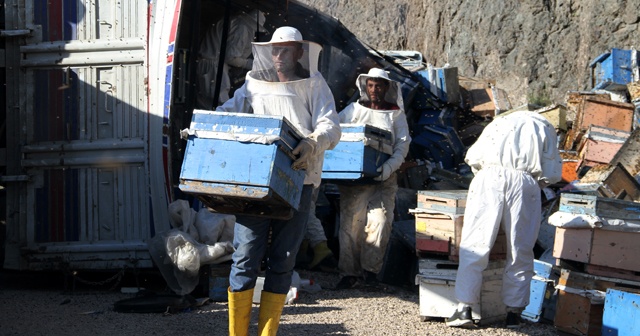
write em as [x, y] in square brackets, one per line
[44, 305]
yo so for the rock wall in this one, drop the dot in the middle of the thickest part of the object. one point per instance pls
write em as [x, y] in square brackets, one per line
[535, 50]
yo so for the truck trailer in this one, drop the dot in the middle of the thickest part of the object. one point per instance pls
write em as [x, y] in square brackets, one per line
[96, 94]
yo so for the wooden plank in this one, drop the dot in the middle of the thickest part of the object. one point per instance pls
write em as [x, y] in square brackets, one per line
[612, 272]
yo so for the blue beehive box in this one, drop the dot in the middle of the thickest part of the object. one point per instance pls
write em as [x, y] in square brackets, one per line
[440, 145]
[356, 158]
[240, 163]
[613, 70]
[540, 284]
[621, 314]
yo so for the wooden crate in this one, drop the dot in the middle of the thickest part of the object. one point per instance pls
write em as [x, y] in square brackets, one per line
[578, 315]
[600, 145]
[578, 311]
[615, 180]
[443, 201]
[614, 249]
[605, 113]
[599, 206]
[438, 300]
[440, 234]
[260, 184]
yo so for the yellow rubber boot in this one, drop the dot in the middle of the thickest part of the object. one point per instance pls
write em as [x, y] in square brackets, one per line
[271, 305]
[320, 252]
[240, 304]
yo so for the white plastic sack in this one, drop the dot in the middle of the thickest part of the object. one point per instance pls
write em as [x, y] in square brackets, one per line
[214, 227]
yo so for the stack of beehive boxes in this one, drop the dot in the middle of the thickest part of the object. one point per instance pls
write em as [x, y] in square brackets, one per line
[594, 261]
[439, 220]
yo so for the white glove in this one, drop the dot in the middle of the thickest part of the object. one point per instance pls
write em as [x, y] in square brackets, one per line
[385, 171]
[304, 151]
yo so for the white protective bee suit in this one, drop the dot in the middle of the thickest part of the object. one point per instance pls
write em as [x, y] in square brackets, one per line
[366, 211]
[242, 29]
[514, 157]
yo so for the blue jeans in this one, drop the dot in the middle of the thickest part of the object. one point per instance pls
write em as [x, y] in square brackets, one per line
[251, 235]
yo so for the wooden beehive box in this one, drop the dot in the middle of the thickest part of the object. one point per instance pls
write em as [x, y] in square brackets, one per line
[440, 234]
[356, 158]
[437, 296]
[615, 181]
[615, 249]
[605, 113]
[599, 206]
[240, 163]
[600, 145]
[443, 201]
[581, 301]
[621, 314]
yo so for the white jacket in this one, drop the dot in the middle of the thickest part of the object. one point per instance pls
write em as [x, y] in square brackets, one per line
[522, 140]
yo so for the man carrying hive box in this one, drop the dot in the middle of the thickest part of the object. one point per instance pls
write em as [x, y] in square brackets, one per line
[513, 158]
[284, 81]
[366, 211]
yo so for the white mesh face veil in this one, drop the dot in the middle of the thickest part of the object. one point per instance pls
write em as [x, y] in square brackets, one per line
[286, 57]
[394, 93]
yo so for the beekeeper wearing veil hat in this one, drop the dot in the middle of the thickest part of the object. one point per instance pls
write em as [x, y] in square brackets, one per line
[283, 81]
[366, 211]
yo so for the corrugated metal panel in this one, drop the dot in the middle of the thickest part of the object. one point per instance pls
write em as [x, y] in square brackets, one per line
[87, 137]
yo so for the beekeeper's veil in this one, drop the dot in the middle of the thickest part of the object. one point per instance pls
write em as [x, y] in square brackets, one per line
[393, 95]
[286, 52]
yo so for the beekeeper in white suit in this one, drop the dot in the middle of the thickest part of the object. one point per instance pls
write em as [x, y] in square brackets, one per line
[366, 211]
[283, 81]
[514, 157]
[242, 31]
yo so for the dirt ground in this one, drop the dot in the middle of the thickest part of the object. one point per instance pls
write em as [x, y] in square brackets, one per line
[50, 303]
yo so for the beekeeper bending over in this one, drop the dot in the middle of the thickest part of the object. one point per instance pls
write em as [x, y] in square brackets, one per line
[284, 81]
[513, 158]
[366, 211]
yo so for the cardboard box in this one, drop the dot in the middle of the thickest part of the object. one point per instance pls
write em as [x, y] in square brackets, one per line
[437, 297]
[615, 249]
[356, 158]
[218, 171]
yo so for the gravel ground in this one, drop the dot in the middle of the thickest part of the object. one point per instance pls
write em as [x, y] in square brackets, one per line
[43, 304]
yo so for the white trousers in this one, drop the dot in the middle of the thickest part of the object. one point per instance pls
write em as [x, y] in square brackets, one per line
[366, 216]
[507, 197]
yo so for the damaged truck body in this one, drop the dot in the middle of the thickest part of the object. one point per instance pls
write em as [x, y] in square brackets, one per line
[96, 95]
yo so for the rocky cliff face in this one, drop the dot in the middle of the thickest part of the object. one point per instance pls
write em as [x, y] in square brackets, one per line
[535, 50]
